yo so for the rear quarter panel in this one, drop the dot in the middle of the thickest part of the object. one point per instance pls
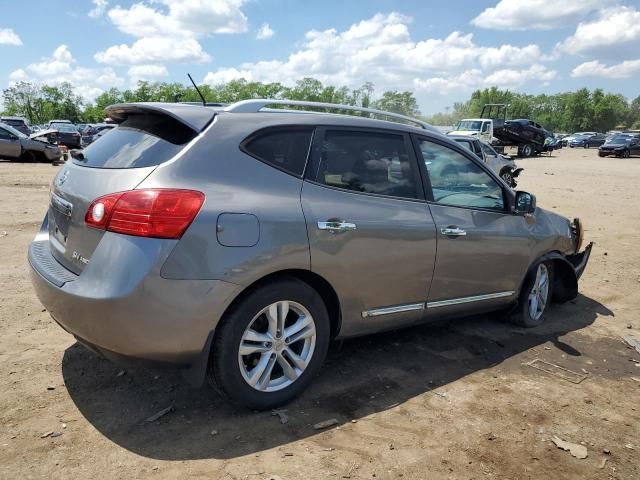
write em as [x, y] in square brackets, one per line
[234, 183]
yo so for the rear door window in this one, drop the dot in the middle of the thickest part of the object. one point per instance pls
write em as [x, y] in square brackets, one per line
[139, 141]
[367, 162]
[284, 148]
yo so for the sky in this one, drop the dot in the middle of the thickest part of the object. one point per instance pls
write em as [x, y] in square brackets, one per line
[440, 50]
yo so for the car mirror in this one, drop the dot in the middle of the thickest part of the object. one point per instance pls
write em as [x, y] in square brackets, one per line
[525, 203]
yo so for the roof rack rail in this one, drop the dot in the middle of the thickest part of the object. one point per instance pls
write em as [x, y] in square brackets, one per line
[257, 105]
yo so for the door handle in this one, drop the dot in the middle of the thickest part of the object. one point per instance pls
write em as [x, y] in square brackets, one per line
[453, 232]
[336, 226]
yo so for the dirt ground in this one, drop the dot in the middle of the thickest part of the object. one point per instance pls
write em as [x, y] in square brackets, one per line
[447, 401]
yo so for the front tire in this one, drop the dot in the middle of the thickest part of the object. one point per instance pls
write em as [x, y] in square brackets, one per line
[535, 297]
[507, 177]
[270, 345]
[626, 154]
[28, 157]
[527, 151]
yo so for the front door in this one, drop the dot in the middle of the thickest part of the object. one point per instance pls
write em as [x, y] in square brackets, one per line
[370, 231]
[483, 250]
[10, 146]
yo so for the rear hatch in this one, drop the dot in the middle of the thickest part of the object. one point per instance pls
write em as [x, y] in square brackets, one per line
[147, 136]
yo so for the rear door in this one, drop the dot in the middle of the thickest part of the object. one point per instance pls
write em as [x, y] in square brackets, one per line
[483, 250]
[114, 163]
[370, 231]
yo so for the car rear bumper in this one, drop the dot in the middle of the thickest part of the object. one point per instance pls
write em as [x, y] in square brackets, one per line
[120, 305]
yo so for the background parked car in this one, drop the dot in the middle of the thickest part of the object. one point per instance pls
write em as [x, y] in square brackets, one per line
[566, 140]
[55, 123]
[587, 141]
[622, 145]
[90, 133]
[68, 135]
[16, 145]
[19, 123]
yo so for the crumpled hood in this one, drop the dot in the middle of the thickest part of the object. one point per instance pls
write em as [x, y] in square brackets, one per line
[469, 133]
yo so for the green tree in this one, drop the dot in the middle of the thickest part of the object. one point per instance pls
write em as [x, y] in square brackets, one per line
[404, 103]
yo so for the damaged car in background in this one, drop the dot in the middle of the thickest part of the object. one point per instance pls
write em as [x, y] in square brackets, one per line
[501, 164]
[236, 242]
[15, 145]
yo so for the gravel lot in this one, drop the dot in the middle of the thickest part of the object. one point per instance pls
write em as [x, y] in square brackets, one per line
[445, 401]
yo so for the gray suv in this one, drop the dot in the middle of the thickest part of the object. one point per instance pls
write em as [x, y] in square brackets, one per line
[237, 241]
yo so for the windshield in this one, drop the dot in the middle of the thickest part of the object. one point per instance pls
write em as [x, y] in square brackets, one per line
[66, 128]
[17, 133]
[620, 139]
[469, 125]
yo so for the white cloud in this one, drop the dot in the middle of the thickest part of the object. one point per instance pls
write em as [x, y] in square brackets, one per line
[535, 14]
[264, 32]
[60, 67]
[381, 50]
[9, 37]
[99, 7]
[616, 31]
[152, 50]
[225, 75]
[594, 68]
[476, 78]
[168, 30]
[147, 72]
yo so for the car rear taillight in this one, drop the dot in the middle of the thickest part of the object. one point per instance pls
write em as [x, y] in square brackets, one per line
[158, 213]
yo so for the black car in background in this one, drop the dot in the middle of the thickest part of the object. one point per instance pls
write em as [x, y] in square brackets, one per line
[18, 123]
[68, 135]
[91, 131]
[622, 145]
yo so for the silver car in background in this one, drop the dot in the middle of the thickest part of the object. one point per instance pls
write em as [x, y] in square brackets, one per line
[15, 145]
[236, 242]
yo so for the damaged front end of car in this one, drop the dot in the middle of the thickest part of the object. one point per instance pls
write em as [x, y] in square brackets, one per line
[579, 259]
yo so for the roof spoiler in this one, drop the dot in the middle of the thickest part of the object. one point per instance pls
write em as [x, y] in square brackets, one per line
[194, 117]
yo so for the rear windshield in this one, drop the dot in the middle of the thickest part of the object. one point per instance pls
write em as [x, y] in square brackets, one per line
[139, 141]
[14, 123]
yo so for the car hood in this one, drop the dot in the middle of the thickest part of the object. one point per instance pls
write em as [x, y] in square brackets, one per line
[469, 133]
[552, 225]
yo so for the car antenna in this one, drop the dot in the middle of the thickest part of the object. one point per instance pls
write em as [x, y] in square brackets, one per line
[204, 102]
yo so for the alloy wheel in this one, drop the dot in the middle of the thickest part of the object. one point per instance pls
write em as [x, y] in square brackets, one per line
[539, 294]
[277, 346]
[508, 179]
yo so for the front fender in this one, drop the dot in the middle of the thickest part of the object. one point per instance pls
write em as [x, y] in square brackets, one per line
[567, 269]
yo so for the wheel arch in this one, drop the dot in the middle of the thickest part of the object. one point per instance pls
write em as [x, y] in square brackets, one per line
[565, 284]
[196, 374]
[315, 281]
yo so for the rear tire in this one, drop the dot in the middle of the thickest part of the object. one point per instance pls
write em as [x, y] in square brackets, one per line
[527, 150]
[626, 154]
[535, 296]
[257, 343]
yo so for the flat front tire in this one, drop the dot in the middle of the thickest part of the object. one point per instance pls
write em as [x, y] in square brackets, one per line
[270, 345]
[535, 296]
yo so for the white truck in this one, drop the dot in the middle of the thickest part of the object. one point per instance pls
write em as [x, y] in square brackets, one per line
[495, 129]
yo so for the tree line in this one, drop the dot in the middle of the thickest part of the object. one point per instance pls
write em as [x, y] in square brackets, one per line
[582, 110]
[562, 112]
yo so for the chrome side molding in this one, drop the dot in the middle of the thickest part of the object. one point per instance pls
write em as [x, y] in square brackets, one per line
[397, 309]
[475, 298]
[409, 307]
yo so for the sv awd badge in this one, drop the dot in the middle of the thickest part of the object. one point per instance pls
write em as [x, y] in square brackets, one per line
[80, 258]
